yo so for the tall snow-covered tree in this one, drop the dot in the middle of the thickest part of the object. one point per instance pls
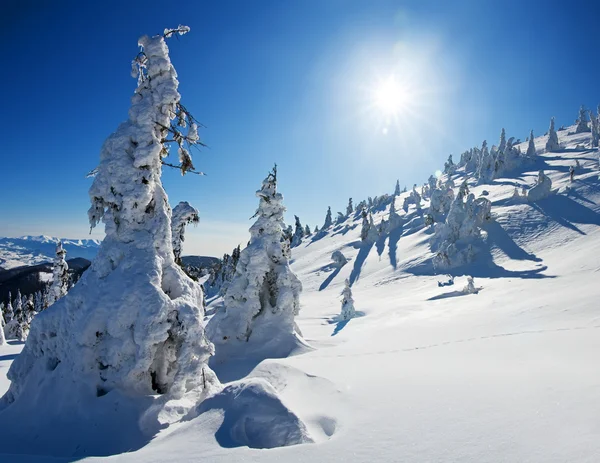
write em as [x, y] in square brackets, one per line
[582, 121]
[316, 229]
[264, 296]
[502, 144]
[60, 275]
[348, 310]
[394, 219]
[364, 232]
[349, 208]
[134, 321]
[183, 215]
[307, 231]
[328, 220]
[298, 233]
[595, 128]
[397, 189]
[449, 167]
[531, 153]
[552, 143]
[17, 327]
[8, 310]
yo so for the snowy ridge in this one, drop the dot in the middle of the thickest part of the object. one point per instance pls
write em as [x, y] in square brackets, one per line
[33, 250]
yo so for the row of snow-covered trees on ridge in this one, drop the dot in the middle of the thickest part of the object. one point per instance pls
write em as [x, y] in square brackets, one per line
[16, 315]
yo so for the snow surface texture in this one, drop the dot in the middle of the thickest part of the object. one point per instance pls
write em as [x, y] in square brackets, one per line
[505, 375]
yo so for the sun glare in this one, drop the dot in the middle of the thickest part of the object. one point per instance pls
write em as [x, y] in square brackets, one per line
[391, 97]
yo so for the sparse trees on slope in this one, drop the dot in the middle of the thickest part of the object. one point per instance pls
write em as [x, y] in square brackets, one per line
[552, 143]
[582, 121]
[348, 310]
[298, 234]
[60, 275]
[134, 321]
[264, 296]
[531, 153]
[183, 215]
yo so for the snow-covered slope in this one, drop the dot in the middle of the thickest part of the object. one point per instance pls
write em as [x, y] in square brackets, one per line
[427, 373]
[33, 250]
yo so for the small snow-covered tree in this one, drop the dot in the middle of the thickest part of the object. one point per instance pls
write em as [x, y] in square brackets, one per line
[397, 189]
[348, 310]
[373, 234]
[298, 234]
[60, 275]
[470, 288]
[328, 220]
[264, 296]
[183, 215]
[2, 336]
[552, 143]
[582, 121]
[307, 231]
[531, 153]
[541, 189]
[134, 321]
[8, 310]
[349, 208]
[316, 229]
[339, 260]
[341, 218]
[17, 327]
[441, 201]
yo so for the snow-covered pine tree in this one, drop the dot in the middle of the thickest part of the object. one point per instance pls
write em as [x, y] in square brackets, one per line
[552, 143]
[183, 215]
[307, 231]
[328, 220]
[16, 328]
[394, 220]
[541, 189]
[373, 234]
[8, 310]
[441, 201]
[595, 128]
[531, 153]
[349, 208]
[60, 275]
[348, 310]
[298, 233]
[29, 309]
[316, 229]
[339, 259]
[2, 336]
[486, 165]
[264, 295]
[38, 301]
[582, 121]
[449, 167]
[502, 144]
[364, 231]
[416, 197]
[397, 189]
[134, 321]
[341, 218]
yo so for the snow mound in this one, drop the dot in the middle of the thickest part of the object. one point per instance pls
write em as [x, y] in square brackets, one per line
[254, 416]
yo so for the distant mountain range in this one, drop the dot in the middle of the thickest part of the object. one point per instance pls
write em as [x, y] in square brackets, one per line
[34, 250]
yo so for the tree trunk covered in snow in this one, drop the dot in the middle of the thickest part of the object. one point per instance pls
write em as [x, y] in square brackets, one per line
[133, 322]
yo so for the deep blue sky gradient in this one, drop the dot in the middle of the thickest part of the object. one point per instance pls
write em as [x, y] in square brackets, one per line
[285, 82]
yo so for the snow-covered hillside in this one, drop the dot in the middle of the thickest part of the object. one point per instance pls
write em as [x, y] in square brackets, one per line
[33, 250]
[429, 373]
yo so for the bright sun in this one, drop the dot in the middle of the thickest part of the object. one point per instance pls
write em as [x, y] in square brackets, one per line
[391, 97]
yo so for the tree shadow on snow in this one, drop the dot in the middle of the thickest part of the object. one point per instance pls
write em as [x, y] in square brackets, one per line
[392, 245]
[498, 236]
[8, 357]
[567, 212]
[452, 294]
[341, 324]
[365, 248]
[329, 279]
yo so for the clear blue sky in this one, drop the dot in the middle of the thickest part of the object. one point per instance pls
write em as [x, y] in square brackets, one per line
[281, 81]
